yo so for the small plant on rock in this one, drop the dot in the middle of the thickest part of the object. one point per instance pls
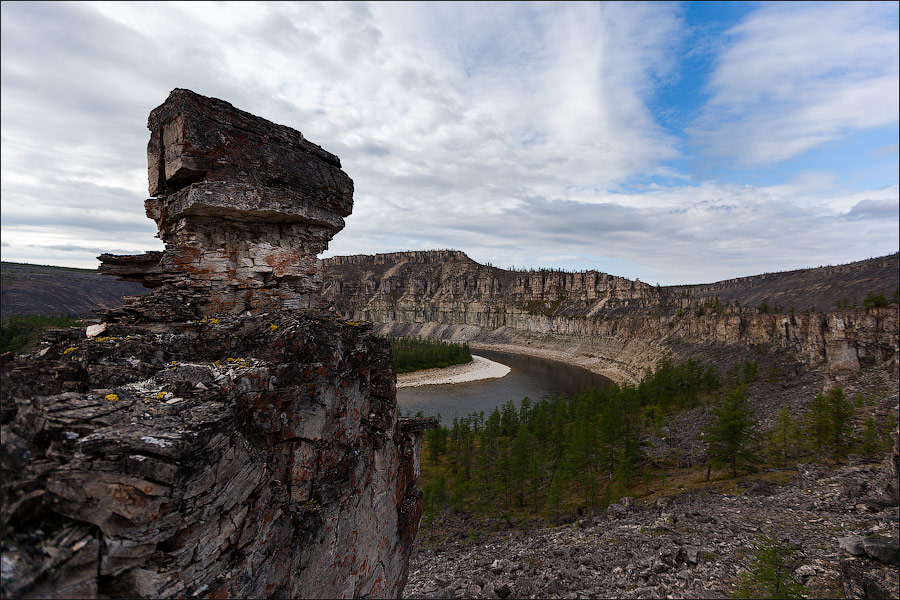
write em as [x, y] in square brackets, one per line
[769, 575]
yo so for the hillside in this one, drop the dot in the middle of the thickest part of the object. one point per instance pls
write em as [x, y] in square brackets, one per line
[615, 326]
[493, 515]
[42, 290]
[821, 288]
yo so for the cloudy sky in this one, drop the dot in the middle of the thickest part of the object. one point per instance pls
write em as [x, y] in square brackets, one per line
[675, 143]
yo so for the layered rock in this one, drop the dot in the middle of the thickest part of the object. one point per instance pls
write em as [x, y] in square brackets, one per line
[613, 325]
[251, 457]
[181, 449]
[243, 206]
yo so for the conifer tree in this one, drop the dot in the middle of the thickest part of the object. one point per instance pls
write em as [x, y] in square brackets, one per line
[733, 435]
[770, 571]
[840, 410]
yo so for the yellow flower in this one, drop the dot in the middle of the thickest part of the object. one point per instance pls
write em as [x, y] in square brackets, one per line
[69, 349]
[273, 327]
[160, 395]
[213, 321]
[112, 397]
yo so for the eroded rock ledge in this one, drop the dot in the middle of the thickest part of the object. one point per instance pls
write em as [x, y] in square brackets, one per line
[613, 325]
[243, 206]
[250, 457]
[209, 439]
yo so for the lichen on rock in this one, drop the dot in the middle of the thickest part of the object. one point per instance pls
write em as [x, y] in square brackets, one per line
[215, 441]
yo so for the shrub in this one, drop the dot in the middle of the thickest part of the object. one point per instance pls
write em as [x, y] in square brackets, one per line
[873, 300]
[21, 332]
[769, 575]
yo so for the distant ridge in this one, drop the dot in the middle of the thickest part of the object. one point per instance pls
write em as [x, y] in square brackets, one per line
[821, 288]
[27, 289]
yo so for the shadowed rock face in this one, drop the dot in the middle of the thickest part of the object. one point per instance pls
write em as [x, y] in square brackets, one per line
[203, 453]
[620, 326]
[243, 206]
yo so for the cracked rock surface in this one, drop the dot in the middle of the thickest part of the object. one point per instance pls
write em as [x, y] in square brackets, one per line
[252, 457]
[221, 436]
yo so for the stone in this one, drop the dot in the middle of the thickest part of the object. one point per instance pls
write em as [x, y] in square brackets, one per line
[852, 544]
[243, 206]
[503, 591]
[94, 330]
[884, 550]
[223, 437]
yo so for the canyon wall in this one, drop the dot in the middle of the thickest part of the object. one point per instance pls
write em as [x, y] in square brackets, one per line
[209, 439]
[612, 325]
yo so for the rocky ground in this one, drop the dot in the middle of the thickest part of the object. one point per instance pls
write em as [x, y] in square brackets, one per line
[693, 545]
[688, 538]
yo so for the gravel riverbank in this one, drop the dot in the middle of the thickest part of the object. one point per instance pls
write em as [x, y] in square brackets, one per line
[478, 368]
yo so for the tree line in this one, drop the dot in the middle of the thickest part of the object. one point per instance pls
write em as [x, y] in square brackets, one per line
[413, 354]
[588, 450]
[20, 333]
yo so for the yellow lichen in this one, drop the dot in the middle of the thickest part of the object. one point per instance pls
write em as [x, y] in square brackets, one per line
[213, 321]
[112, 397]
[160, 395]
[69, 349]
[273, 327]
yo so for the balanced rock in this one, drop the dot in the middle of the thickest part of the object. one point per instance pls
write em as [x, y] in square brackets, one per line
[243, 206]
[182, 449]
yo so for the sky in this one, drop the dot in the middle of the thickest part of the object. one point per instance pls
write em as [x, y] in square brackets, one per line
[670, 142]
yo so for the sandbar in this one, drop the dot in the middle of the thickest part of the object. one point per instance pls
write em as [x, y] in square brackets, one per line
[479, 368]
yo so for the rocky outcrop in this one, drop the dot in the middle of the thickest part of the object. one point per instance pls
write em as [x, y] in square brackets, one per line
[243, 206]
[613, 325]
[695, 543]
[250, 457]
[208, 440]
[869, 563]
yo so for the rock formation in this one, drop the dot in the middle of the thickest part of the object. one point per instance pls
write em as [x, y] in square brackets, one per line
[613, 325]
[209, 440]
[243, 206]
[869, 563]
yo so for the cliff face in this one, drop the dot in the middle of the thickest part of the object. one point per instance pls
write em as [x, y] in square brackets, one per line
[616, 326]
[251, 457]
[208, 439]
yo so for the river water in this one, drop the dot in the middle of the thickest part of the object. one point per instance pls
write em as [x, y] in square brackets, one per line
[536, 378]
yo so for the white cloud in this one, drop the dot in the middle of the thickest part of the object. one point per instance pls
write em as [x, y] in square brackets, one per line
[798, 75]
[498, 129]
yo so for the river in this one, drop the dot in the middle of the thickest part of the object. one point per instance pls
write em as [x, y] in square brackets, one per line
[536, 378]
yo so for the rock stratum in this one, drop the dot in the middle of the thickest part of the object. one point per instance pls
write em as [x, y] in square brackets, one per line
[218, 437]
[613, 325]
